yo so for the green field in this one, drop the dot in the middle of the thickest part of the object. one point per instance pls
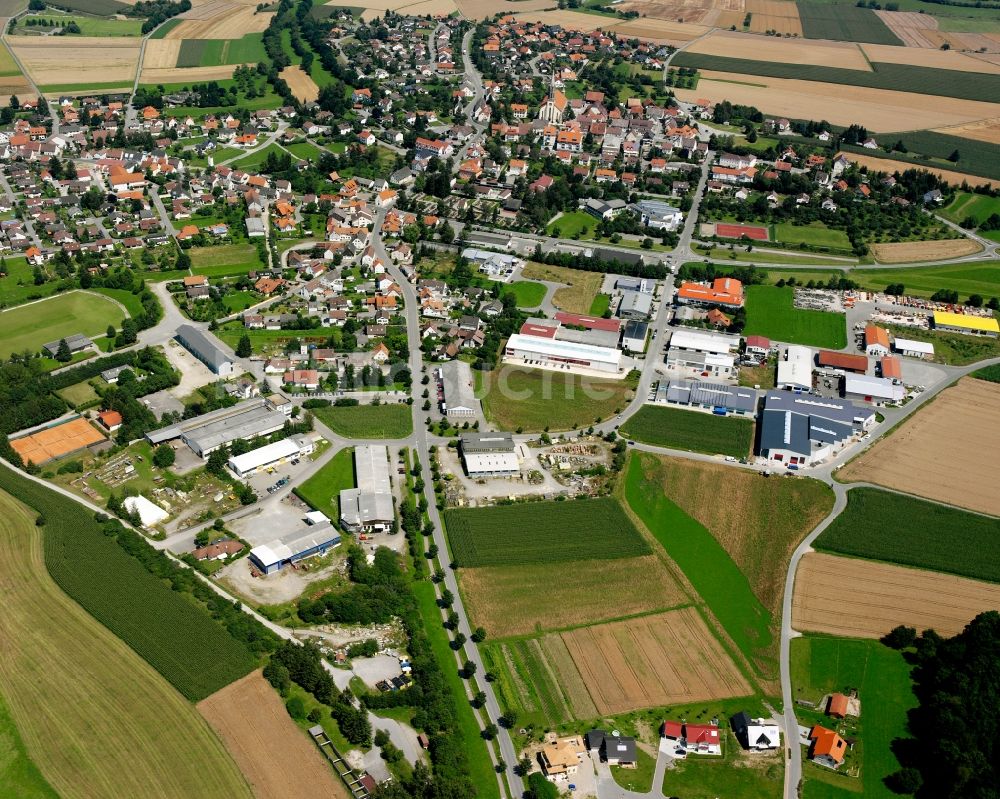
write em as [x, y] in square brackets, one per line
[899, 529]
[7, 64]
[165, 28]
[131, 301]
[771, 313]
[989, 373]
[89, 26]
[536, 399]
[981, 278]
[709, 568]
[528, 293]
[952, 348]
[977, 157]
[966, 204]
[322, 490]
[217, 52]
[19, 286]
[600, 305]
[224, 260]
[815, 234]
[678, 428]
[577, 530]
[368, 421]
[821, 664]
[90, 712]
[174, 635]
[28, 327]
[574, 224]
[102, 8]
[525, 682]
[79, 394]
[843, 23]
[757, 255]
[255, 160]
[304, 150]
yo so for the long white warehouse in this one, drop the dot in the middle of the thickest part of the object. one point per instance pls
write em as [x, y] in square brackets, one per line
[551, 353]
[269, 455]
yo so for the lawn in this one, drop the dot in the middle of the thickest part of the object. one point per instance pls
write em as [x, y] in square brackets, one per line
[771, 313]
[882, 525]
[757, 256]
[18, 285]
[517, 398]
[757, 777]
[581, 287]
[322, 490]
[131, 301]
[304, 150]
[577, 530]
[527, 293]
[79, 394]
[711, 571]
[255, 160]
[600, 305]
[89, 26]
[815, 234]
[575, 224]
[18, 773]
[821, 664]
[966, 204]
[368, 421]
[224, 260]
[981, 278]
[639, 778]
[28, 327]
[690, 430]
[90, 710]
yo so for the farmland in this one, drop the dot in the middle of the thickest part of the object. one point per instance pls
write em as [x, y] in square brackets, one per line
[840, 55]
[174, 635]
[577, 530]
[224, 260]
[277, 758]
[89, 26]
[518, 398]
[706, 564]
[301, 84]
[217, 52]
[850, 596]
[899, 529]
[903, 252]
[815, 234]
[28, 327]
[771, 313]
[843, 23]
[103, 8]
[882, 678]
[528, 683]
[967, 205]
[963, 418]
[504, 599]
[527, 293]
[368, 421]
[691, 430]
[81, 61]
[92, 714]
[18, 773]
[976, 170]
[580, 287]
[977, 157]
[979, 278]
[322, 490]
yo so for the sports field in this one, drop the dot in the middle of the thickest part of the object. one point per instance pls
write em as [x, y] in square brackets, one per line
[771, 313]
[815, 234]
[368, 421]
[727, 230]
[581, 287]
[96, 719]
[224, 260]
[691, 430]
[516, 397]
[56, 441]
[820, 665]
[577, 530]
[896, 528]
[28, 327]
[528, 293]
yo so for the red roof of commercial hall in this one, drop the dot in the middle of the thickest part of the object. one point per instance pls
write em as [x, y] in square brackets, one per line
[843, 360]
[724, 290]
[892, 367]
[589, 322]
[541, 331]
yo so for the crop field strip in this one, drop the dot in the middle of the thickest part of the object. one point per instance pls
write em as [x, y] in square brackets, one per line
[173, 634]
[866, 599]
[95, 717]
[975, 171]
[983, 87]
[979, 157]
[904, 252]
[577, 530]
[678, 428]
[529, 681]
[844, 23]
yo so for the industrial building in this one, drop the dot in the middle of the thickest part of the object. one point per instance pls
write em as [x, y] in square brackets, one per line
[799, 430]
[202, 347]
[842, 362]
[913, 349]
[872, 389]
[877, 341]
[206, 433]
[702, 351]
[459, 401]
[316, 539]
[489, 454]
[270, 455]
[657, 214]
[634, 336]
[966, 323]
[635, 305]
[641, 284]
[549, 353]
[795, 371]
[369, 507]
[726, 292]
[718, 398]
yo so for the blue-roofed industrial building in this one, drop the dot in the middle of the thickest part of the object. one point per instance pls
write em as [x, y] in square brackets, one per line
[316, 539]
[719, 398]
[800, 429]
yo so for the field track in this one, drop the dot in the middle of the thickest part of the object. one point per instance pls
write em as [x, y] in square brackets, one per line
[277, 758]
[865, 599]
[96, 719]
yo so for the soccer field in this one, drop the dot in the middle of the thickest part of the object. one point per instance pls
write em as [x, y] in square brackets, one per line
[28, 327]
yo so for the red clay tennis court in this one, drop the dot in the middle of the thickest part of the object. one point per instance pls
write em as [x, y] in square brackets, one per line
[728, 231]
[57, 441]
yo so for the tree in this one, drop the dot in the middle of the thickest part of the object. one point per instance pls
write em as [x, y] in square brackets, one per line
[63, 355]
[244, 348]
[955, 155]
[296, 708]
[479, 635]
[508, 719]
[110, 332]
[900, 637]
[163, 456]
[490, 731]
[217, 461]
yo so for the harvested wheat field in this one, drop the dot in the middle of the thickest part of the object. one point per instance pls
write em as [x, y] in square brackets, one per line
[888, 165]
[659, 31]
[877, 109]
[935, 59]
[669, 658]
[504, 599]
[276, 757]
[698, 12]
[962, 419]
[912, 28]
[161, 54]
[433, 7]
[905, 252]
[865, 599]
[15, 84]
[774, 15]
[53, 60]
[482, 9]
[220, 19]
[573, 20]
[303, 87]
[782, 51]
[987, 130]
[187, 74]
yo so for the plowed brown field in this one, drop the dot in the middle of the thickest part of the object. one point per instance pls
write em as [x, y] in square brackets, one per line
[865, 599]
[943, 452]
[669, 658]
[276, 757]
[481, 9]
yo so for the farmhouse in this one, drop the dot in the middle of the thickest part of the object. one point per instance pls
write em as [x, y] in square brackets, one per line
[726, 292]
[719, 398]
[826, 747]
[76, 343]
[876, 341]
[708, 353]
[755, 734]
[205, 350]
[795, 371]
[801, 430]
[546, 353]
[206, 433]
[459, 400]
[489, 454]
[872, 389]
[267, 456]
[368, 507]
[913, 349]
[313, 540]
[842, 362]
[968, 324]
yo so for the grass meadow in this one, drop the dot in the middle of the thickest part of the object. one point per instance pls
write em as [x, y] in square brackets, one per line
[843, 23]
[966, 204]
[691, 430]
[322, 490]
[981, 278]
[771, 313]
[815, 234]
[224, 260]
[528, 293]
[28, 327]
[18, 773]
[581, 287]
[368, 421]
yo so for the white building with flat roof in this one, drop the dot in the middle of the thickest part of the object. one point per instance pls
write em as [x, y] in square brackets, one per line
[263, 457]
[703, 341]
[872, 389]
[369, 507]
[912, 348]
[796, 370]
[550, 353]
[489, 454]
